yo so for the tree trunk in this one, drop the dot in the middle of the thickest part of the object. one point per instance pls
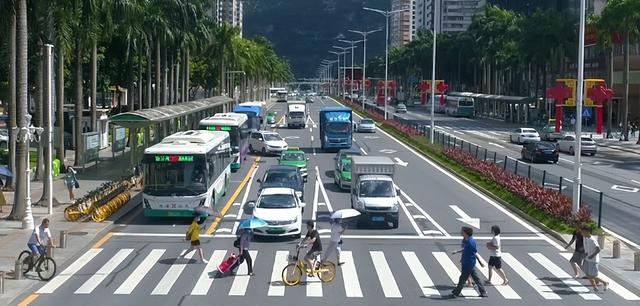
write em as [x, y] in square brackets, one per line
[147, 97]
[158, 62]
[185, 78]
[60, 153]
[39, 82]
[20, 200]
[94, 84]
[163, 85]
[77, 131]
[170, 82]
[140, 83]
[177, 89]
[544, 89]
[625, 84]
[609, 62]
[12, 95]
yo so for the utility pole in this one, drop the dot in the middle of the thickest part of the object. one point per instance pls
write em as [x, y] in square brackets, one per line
[364, 61]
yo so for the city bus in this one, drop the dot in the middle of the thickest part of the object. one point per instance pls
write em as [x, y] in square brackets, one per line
[281, 96]
[238, 127]
[254, 112]
[184, 171]
[459, 106]
[274, 90]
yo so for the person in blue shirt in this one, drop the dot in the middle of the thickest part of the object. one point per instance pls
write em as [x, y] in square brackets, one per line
[468, 260]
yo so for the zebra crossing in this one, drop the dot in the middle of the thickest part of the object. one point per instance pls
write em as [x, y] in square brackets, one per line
[431, 274]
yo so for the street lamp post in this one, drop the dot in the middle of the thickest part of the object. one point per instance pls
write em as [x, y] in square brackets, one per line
[387, 15]
[26, 135]
[364, 61]
[433, 71]
[338, 71]
[577, 182]
[344, 64]
[353, 46]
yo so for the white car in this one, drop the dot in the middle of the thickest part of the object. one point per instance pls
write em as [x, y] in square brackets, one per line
[524, 135]
[281, 209]
[267, 142]
[567, 144]
[4, 139]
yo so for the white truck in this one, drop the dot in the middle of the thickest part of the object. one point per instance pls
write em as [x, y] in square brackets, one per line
[296, 114]
[373, 191]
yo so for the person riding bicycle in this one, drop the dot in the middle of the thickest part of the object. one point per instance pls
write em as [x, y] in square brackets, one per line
[40, 238]
[313, 238]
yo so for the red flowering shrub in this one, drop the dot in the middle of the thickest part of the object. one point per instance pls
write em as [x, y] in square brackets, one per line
[549, 201]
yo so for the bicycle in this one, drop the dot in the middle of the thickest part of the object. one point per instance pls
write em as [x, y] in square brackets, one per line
[292, 273]
[45, 265]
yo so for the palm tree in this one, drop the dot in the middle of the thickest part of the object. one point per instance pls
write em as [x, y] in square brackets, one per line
[8, 10]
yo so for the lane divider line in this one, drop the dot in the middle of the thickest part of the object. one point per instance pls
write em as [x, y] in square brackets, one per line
[244, 200]
[324, 192]
[233, 197]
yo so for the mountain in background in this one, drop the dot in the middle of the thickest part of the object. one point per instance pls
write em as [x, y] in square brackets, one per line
[303, 31]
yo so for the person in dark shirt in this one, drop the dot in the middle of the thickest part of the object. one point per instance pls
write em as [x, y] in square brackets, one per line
[313, 238]
[577, 258]
[468, 260]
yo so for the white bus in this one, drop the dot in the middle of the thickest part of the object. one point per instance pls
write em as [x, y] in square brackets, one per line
[238, 127]
[184, 171]
[274, 90]
[281, 96]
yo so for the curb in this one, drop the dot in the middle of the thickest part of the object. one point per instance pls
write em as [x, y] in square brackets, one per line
[619, 149]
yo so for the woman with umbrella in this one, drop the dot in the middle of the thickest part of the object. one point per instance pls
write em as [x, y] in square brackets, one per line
[243, 242]
[337, 229]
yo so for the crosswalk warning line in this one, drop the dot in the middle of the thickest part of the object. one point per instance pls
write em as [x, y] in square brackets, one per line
[205, 280]
[565, 277]
[454, 273]
[94, 281]
[241, 281]
[420, 274]
[530, 278]
[505, 290]
[140, 272]
[71, 270]
[276, 286]
[613, 285]
[350, 275]
[171, 276]
[387, 281]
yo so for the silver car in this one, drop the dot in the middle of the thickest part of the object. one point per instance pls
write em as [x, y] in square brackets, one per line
[366, 125]
[568, 143]
[401, 108]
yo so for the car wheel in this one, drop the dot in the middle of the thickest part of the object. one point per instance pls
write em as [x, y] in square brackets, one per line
[519, 140]
[264, 151]
[251, 149]
[571, 151]
[394, 224]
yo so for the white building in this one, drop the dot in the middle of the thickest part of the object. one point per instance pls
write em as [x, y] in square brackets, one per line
[455, 15]
[228, 11]
[402, 27]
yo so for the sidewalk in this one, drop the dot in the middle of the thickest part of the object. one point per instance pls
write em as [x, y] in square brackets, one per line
[13, 238]
[630, 146]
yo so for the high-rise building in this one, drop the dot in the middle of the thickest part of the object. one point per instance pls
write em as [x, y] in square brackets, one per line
[227, 11]
[455, 15]
[402, 27]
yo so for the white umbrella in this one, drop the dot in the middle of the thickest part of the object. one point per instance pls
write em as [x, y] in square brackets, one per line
[345, 213]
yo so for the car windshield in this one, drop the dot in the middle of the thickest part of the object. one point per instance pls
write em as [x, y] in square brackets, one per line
[175, 179]
[376, 189]
[529, 131]
[293, 156]
[366, 121]
[296, 114]
[272, 137]
[346, 166]
[586, 139]
[338, 127]
[344, 155]
[281, 177]
[277, 201]
[402, 106]
[545, 146]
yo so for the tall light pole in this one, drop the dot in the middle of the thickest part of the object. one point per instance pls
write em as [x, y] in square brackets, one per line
[338, 69]
[328, 64]
[353, 46]
[577, 182]
[344, 64]
[433, 70]
[364, 61]
[387, 15]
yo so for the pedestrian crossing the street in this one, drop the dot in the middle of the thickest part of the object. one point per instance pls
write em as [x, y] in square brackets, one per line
[392, 274]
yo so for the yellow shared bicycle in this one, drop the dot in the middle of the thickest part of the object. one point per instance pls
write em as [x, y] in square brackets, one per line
[292, 273]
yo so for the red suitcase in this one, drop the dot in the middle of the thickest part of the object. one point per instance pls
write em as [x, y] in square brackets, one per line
[226, 264]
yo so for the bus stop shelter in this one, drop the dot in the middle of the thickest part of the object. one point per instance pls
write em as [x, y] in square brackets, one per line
[159, 122]
[508, 108]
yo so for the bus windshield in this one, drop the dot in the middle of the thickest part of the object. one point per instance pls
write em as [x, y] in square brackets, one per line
[175, 179]
[465, 102]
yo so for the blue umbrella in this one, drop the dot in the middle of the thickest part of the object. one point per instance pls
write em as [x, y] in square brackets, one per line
[253, 223]
[4, 171]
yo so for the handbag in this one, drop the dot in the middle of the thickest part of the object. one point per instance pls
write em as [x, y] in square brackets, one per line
[188, 236]
[236, 243]
[77, 185]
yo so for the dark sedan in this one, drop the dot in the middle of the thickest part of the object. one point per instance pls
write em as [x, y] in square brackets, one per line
[283, 176]
[540, 151]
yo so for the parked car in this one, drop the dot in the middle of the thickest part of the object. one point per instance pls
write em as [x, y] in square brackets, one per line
[283, 176]
[401, 108]
[567, 144]
[548, 133]
[523, 135]
[542, 151]
[267, 142]
[281, 209]
[295, 157]
[366, 125]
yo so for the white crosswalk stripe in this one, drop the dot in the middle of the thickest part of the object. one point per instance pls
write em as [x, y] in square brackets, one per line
[139, 273]
[533, 270]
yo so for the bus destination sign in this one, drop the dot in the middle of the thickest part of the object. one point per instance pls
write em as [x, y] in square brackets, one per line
[173, 158]
[218, 128]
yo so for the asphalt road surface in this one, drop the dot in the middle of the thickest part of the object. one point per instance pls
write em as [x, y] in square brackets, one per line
[411, 265]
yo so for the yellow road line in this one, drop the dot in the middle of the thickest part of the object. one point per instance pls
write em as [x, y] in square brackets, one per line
[28, 300]
[212, 228]
[102, 240]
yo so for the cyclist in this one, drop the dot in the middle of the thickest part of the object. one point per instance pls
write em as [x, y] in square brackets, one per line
[40, 237]
[313, 238]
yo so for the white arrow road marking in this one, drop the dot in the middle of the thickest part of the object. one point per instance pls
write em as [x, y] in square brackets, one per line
[311, 138]
[625, 188]
[363, 151]
[497, 145]
[292, 137]
[400, 162]
[475, 222]
[388, 151]
[637, 182]
[371, 137]
[324, 192]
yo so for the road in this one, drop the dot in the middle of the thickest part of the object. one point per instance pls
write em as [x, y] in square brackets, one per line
[614, 172]
[136, 263]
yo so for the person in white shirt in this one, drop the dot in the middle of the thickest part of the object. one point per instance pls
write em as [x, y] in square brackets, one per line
[40, 238]
[495, 259]
[336, 237]
[592, 259]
